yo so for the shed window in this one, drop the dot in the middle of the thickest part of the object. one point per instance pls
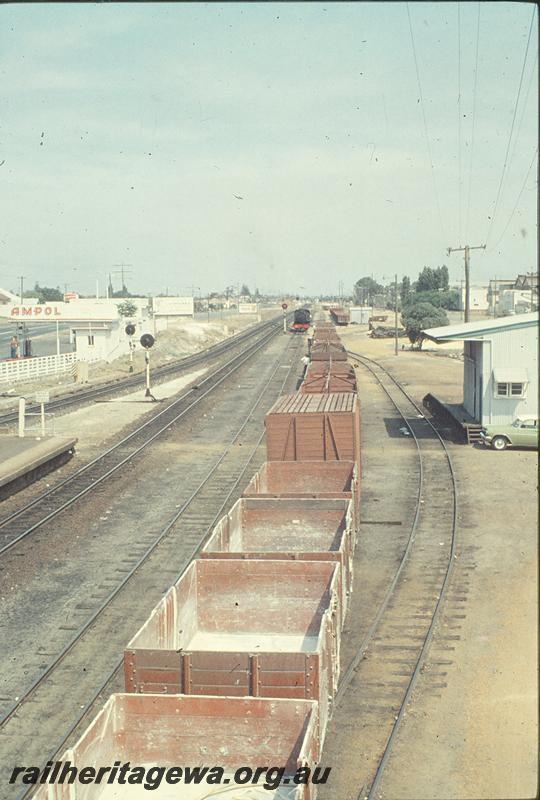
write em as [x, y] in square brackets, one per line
[510, 389]
[91, 341]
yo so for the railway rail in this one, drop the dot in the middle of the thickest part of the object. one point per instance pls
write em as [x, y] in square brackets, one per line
[375, 692]
[45, 507]
[159, 374]
[102, 636]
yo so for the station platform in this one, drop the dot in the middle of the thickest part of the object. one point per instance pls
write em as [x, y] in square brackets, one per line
[456, 415]
[24, 460]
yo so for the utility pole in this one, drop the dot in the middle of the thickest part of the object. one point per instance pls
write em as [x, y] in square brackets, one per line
[122, 270]
[466, 250]
[21, 278]
[395, 316]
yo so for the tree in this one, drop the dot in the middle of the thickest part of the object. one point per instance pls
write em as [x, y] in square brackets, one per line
[245, 290]
[365, 288]
[420, 316]
[405, 290]
[432, 279]
[127, 308]
[47, 294]
[442, 298]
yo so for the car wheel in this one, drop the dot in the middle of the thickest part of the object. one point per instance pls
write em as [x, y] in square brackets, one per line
[499, 443]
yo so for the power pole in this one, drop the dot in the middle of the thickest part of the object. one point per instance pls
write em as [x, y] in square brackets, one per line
[21, 279]
[395, 316]
[466, 250]
[123, 271]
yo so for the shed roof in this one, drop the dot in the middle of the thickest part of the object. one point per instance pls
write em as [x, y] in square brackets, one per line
[484, 327]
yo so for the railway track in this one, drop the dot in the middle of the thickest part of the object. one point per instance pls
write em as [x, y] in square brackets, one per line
[45, 507]
[378, 683]
[159, 374]
[62, 695]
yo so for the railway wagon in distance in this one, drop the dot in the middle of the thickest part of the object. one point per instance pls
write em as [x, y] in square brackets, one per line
[303, 529]
[231, 627]
[314, 427]
[327, 350]
[167, 731]
[340, 316]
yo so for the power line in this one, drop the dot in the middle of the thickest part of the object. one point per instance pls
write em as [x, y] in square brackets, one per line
[426, 133]
[473, 122]
[503, 174]
[524, 106]
[501, 237]
[459, 117]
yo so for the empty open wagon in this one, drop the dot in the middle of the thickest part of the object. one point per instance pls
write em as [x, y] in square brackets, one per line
[175, 731]
[229, 627]
[314, 427]
[301, 528]
[317, 479]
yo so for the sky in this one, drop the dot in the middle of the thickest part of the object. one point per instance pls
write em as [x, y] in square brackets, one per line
[289, 146]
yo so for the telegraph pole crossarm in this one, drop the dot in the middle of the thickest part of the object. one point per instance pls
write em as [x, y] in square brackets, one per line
[466, 249]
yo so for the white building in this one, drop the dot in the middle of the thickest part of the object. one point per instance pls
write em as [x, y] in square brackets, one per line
[165, 309]
[478, 297]
[517, 301]
[500, 379]
[96, 327]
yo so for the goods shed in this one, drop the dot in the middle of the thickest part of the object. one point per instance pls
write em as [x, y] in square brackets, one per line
[500, 376]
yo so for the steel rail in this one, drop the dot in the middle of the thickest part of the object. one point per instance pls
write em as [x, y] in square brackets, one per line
[372, 789]
[71, 478]
[122, 384]
[148, 552]
[170, 524]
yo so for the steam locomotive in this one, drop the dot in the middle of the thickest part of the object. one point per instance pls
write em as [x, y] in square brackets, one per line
[302, 320]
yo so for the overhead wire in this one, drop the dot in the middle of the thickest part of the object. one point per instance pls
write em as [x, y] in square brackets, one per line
[473, 123]
[524, 106]
[505, 164]
[426, 132]
[501, 237]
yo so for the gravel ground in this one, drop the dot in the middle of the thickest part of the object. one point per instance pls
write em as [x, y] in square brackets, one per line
[70, 566]
[475, 734]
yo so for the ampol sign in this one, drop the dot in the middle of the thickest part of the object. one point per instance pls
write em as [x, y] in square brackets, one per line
[76, 311]
[35, 311]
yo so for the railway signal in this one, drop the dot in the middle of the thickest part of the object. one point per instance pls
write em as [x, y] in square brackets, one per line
[130, 330]
[147, 341]
[284, 306]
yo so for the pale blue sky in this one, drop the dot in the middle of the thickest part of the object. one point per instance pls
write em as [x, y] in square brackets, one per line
[127, 130]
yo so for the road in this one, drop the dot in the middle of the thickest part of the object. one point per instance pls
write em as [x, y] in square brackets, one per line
[42, 334]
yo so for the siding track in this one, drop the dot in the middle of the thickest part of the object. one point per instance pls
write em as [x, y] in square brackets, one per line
[377, 684]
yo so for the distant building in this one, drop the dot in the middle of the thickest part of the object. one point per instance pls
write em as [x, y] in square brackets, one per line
[478, 297]
[500, 377]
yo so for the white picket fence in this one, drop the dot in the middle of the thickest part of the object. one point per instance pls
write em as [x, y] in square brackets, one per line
[24, 369]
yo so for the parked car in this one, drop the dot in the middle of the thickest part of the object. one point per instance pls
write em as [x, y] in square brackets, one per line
[522, 432]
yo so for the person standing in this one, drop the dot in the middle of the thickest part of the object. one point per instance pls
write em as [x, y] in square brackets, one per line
[14, 347]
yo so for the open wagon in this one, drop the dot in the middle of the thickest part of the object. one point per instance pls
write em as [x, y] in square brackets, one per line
[263, 628]
[171, 731]
[291, 529]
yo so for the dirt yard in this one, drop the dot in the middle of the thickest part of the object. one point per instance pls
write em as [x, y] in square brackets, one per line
[477, 735]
